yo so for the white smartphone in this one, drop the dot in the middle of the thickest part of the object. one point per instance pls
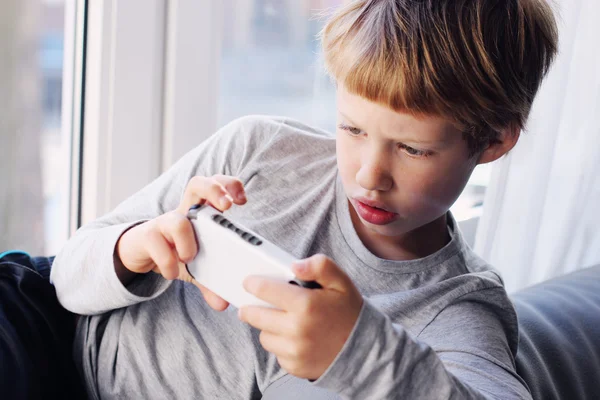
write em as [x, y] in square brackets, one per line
[229, 252]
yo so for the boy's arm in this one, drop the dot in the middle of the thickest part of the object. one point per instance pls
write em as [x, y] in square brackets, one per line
[464, 353]
[86, 274]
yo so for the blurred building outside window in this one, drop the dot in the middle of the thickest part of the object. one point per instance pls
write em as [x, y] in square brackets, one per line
[33, 156]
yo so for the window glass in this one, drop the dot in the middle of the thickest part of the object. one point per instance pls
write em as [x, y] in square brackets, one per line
[34, 157]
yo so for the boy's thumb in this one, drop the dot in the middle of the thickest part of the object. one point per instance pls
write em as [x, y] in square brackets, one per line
[324, 271]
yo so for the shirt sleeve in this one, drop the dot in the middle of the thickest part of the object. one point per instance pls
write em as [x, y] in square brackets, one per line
[466, 352]
[83, 272]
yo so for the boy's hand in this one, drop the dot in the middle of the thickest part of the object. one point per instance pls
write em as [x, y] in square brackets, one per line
[166, 243]
[312, 325]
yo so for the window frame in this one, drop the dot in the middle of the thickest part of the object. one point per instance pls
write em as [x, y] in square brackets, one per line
[144, 98]
[72, 109]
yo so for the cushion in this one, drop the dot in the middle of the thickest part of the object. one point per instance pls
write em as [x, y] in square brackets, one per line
[559, 336]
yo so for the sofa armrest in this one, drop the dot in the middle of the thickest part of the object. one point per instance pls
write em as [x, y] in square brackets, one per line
[559, 336]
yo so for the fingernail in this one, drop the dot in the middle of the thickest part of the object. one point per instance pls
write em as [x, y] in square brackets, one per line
[300, 265]
[225, 200]
[250, 283]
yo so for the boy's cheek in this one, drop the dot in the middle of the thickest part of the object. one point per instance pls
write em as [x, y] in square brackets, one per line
[421, 193]
[348, 156]
[429, 199]
[442, 193]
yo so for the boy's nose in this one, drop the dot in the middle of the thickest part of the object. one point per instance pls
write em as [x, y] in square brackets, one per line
[374, 176]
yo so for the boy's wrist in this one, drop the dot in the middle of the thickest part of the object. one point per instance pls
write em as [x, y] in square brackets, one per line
[124, 274]
[341, 376]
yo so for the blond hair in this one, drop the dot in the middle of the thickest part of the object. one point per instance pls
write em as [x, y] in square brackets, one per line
[478, 62]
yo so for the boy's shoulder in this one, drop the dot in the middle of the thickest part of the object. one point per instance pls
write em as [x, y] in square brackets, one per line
[480, 269]
[259, 142]
[266, 129]
[274, 141]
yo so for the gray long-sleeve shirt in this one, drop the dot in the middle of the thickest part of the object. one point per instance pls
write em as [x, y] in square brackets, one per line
[434, 328]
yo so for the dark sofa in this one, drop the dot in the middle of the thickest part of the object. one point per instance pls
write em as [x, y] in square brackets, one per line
[558, 355]
[559, 336]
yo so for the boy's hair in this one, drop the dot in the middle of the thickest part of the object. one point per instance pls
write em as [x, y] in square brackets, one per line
[477, 62]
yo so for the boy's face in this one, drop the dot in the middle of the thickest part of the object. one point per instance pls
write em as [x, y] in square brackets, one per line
[399, 172]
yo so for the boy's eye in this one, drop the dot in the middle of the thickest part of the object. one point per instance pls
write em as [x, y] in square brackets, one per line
[350, 129]
[412, 151]
[416, 153]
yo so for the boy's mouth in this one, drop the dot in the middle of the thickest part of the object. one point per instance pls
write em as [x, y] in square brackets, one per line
[373, 212]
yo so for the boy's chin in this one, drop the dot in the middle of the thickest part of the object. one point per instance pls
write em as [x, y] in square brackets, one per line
[395, 228]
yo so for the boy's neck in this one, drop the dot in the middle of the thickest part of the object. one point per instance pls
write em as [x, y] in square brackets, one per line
[418, 243]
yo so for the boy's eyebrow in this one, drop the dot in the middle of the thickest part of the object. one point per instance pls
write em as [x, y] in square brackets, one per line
[348, 119]
[414, 140]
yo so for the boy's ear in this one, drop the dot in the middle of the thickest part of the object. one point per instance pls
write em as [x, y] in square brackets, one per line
[505, 142]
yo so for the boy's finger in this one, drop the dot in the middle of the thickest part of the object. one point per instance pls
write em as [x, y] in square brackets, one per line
[234, 187]
[179, 232]
[201, 189]
[216, 302]
[277, 293]
[265, 319]
[163, 255]
[211, 298]
[324, 271]
[278, 345]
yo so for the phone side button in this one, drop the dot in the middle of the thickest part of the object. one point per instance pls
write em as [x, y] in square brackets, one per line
[189, 272]
[308, 284]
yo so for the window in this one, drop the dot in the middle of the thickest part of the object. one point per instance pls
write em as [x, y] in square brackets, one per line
[276, 43]
[35, 150]
[470, 203]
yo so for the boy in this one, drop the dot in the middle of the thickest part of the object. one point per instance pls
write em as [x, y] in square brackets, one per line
[426, 91]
